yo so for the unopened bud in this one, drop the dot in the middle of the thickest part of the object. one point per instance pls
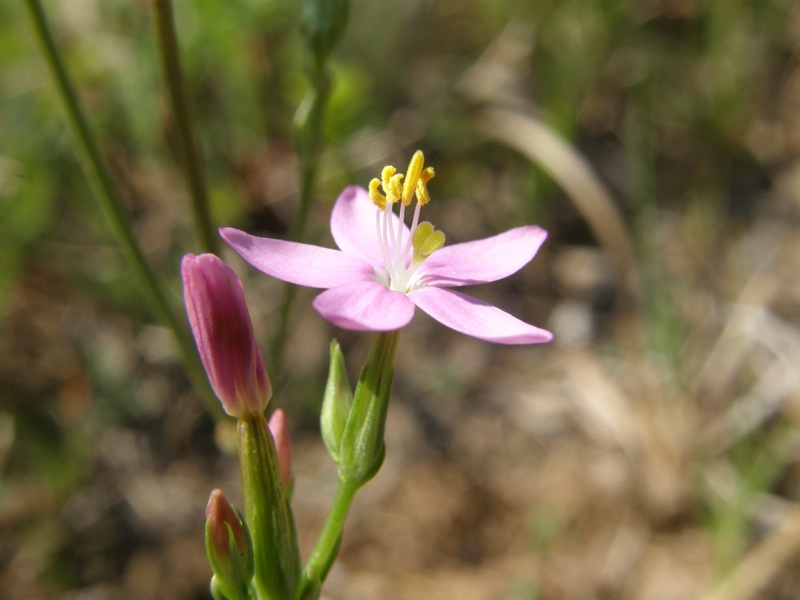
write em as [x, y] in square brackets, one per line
[279, 429]
[224, 335]
[228, 547]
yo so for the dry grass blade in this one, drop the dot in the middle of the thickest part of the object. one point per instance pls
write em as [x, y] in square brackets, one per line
[573, 173]
[763, 563]
[742, 329]
[602, 408]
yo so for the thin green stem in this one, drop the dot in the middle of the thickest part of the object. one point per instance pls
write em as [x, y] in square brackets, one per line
[191, 156]
[361, 454]
[308, 132]
[309, 121]
[327, 546]
[322, 24]
[106, 192]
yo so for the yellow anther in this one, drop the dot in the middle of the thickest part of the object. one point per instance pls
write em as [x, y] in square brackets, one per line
[377, 198]
[392, 184]
[422, 186]
[426, 240]
[386, 177]
[395, 190]
[412, 176]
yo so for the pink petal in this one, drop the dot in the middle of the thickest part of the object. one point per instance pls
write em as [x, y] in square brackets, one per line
[476, 318]
[365, 306]
[354, 228]
[483, 260]
[301, 264]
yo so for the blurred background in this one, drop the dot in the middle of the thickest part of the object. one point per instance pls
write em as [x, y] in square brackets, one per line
[651, 452]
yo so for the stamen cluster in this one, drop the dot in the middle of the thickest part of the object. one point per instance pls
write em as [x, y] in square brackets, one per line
[401, 256]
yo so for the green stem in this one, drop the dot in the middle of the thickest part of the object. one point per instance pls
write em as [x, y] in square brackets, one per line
[361, 453]
[322, 24]
[327, 546]
[309, 121]
[164, 21]
[106, 192]
[308, 133]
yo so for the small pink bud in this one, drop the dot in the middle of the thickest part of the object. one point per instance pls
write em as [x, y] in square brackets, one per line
[228, 547]
[219, 517]
[280, 433]
[224, 335]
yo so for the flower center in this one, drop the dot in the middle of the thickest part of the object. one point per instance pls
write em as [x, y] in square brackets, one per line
[403, 253]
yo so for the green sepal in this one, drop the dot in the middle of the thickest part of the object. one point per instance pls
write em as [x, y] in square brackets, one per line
[336, 402]
[268, 512]
[216, 592]
[311, 590]
[361, 450]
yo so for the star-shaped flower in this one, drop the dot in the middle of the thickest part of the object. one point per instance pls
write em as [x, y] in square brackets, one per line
[384, 269]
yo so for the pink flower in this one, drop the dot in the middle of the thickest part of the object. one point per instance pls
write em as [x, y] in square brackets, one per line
[224, 335]
[384, 269]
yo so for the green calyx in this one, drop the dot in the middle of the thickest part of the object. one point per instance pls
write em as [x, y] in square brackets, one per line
[336, 403]
[361, 448]
[268, 512]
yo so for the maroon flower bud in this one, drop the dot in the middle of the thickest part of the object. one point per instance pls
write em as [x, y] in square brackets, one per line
[224, 335]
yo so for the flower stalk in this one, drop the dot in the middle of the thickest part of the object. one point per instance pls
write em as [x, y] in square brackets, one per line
[105, 191]
[322, 24]
[267, 512]
[191, 155]
[329, 541]
[361, 452]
